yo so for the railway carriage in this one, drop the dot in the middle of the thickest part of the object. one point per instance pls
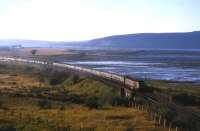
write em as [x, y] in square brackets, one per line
[127, 81]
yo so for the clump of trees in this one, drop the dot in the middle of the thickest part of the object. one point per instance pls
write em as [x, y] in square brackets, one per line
[33, 52]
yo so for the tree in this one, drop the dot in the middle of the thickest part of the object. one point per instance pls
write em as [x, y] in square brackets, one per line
[33, 52]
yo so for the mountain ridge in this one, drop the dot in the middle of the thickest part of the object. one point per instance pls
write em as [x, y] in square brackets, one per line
[152, 40]
[180, 40]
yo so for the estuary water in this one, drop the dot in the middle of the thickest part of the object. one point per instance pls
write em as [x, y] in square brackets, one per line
[167, 65]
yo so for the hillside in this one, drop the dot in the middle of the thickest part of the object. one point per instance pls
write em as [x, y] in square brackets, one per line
[187, 40]
[190, 40]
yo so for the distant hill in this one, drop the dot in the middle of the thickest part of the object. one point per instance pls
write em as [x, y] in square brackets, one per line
[187, 40]
[190, 40]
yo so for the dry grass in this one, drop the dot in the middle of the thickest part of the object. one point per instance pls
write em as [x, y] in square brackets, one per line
[24, 112]
[18, 82]
[76, 116]
[43, 51]
[40, 52]
[10, 80]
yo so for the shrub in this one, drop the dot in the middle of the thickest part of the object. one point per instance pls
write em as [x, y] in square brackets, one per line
[130, 129]
[75, 99]
[54, 81]
[44, 104]
[8, 129]
[185, 99]
[57, 77]
[75, 79]
[133, 94]
[166, 112]
[28, 68]
[120, 101]
[93, 103]
[62, 107]
[1, 104]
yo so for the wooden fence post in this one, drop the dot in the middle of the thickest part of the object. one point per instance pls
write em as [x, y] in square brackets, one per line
[176, 129]
[159, 120]
[169, 126]
[164, 123]
[154, 118]
[151, 114]
[81, 125]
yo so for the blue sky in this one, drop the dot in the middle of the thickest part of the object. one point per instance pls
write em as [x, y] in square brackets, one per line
[67, 20]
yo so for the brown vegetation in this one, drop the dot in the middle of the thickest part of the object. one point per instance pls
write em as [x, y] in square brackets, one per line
[29, 103]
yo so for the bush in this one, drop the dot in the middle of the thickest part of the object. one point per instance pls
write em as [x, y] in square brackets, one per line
[45, 104]
[1, 104]
[166, 112]
[130, 129]
[75, 79]
[75, 99]
[62, 107]
[8, 129]
[28, 68]
[133, 94]
[93, 103]
[54, 81]
[120, 101]
[57, 77]
[185, 99]
[71, 80]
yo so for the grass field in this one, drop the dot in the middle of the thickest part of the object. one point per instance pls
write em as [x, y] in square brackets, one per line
[175, 87]
[33, 100]
[40, 51]
[24, 114]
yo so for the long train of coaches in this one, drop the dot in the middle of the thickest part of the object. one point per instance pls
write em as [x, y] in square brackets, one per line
[127, 81]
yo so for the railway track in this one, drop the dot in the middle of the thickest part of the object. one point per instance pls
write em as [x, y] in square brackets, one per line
[130, 84]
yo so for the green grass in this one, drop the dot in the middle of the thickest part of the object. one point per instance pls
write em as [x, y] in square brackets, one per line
[185, 94]
[91, 88]
[175, 87]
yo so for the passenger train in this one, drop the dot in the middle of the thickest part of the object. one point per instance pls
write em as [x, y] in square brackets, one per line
[133, 84]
